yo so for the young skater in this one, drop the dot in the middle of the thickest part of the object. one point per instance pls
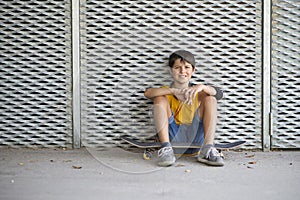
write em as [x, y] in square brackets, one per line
[184, 112]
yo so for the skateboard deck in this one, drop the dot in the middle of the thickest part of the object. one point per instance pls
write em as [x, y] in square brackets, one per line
[145, 145]
[150, 146]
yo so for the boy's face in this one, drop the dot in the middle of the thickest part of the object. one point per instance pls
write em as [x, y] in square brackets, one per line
[182, 71]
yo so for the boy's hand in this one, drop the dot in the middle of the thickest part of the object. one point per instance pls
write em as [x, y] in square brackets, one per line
[191, 92]
[179, 94]
[187, 95]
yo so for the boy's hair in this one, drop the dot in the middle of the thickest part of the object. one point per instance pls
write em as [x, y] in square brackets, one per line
[183, 56]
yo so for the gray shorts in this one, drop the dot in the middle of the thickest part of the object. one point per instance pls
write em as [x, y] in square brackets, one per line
[186, 133]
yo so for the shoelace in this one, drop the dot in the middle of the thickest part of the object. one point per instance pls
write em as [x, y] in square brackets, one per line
[164, 151]
[212, 152]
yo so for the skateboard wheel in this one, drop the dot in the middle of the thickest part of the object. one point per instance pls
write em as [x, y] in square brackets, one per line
[147, 155]
[221, 154]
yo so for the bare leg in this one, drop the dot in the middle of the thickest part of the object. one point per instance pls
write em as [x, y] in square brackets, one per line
[162, 112]
[208, 113]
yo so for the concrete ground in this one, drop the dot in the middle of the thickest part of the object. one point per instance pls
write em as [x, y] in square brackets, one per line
[118, 174]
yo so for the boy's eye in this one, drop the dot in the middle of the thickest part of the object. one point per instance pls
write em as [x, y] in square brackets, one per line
[184, 67]
[188, 67]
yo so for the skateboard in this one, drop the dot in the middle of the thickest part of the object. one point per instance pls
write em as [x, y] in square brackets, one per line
[150, 146]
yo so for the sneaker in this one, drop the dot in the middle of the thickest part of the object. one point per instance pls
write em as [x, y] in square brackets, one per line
[210, 156]
[166, 156]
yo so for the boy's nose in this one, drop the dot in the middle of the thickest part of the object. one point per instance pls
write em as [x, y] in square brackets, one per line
[182, 69]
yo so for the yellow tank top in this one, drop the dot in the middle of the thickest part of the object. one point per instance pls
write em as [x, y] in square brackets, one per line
[183, 113]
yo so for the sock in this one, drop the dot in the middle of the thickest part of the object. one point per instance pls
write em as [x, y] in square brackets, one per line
[165, 144]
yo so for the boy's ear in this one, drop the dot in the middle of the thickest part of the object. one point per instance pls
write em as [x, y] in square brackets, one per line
[170, 70]
[194, 69]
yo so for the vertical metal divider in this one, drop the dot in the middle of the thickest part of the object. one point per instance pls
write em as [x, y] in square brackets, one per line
[266, 76]
[75, 7]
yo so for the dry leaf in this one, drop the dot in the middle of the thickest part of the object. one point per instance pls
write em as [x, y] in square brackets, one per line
[76, 167]
[252, 162]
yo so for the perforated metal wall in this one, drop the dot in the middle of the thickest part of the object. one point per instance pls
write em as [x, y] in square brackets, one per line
[286, 74]
[125, 46]
[35, 69]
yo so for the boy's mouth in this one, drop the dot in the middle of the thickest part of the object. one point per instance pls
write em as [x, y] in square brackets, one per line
[182, 76]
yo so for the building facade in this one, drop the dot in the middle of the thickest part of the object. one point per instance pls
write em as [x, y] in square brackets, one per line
[73, 72]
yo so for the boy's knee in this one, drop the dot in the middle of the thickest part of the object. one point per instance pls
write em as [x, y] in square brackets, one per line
[161, 104]
[211, 100]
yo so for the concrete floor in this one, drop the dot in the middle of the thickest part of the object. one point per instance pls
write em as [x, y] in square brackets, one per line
[118, 174]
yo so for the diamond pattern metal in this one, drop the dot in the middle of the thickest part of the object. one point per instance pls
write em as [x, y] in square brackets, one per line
[286, 74]
[35, 73]
[125, 46]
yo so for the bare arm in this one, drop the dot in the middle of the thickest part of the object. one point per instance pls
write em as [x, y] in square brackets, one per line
[191, 92]
[205, 88]
[151, 93]
[212, 91]
[185, 95]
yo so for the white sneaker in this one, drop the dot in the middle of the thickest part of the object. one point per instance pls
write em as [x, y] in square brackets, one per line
[166, 156]
[210, 156]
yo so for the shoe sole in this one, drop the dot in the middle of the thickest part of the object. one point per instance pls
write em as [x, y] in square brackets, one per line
[167, 163]
[210, 163]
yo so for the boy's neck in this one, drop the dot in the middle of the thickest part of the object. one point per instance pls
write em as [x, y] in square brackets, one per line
[179, 85]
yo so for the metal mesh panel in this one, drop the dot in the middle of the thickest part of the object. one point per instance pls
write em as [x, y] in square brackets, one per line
[35, 73]
[286, 74]
[125, 46]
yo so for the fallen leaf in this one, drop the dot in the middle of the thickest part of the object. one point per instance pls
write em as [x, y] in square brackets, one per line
[76, 167]
[250, 167]
[252, 162]
[21, 164]
[187, 171]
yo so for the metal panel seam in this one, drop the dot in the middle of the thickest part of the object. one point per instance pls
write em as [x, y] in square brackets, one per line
[266, 74]
[76, 72]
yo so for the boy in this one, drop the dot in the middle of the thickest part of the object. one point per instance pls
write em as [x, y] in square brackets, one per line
[184, 112]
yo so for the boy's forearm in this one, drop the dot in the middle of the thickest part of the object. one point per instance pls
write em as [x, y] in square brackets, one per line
[214, 91]
[210, 90]
[151, 93]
